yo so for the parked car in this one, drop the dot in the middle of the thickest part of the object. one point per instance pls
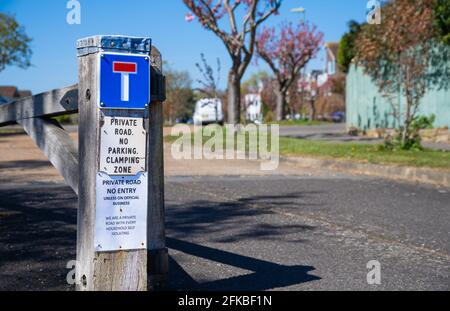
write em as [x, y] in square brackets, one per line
[184, 121]
[207, 111]
[338, 117]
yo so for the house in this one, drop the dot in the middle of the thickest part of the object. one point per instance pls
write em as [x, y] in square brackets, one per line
[331, 71]
[331, 50]
[8, 93]
[326, 87]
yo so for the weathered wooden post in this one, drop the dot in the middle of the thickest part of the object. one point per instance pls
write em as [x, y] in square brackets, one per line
[120, 234]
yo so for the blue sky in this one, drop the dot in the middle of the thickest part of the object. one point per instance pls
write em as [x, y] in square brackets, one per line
[54, 53]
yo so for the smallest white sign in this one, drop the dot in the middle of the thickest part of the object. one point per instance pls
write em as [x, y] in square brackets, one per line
[121, 213]
[122, 146]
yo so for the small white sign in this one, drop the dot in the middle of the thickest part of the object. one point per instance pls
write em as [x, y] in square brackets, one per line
[121, 212]
[123, 146]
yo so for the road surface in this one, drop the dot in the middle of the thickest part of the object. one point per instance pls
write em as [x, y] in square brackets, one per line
[233, 227]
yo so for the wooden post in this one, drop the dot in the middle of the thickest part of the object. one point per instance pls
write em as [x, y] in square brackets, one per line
[158, 258]
[117, 270]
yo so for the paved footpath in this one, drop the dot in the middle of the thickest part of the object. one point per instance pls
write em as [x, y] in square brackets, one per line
[232, 227]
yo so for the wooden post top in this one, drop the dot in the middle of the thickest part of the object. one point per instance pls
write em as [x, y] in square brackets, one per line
[115, 43]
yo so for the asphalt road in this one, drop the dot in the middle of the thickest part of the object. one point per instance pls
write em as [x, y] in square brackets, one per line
[336, 132]
[333, 132]
[253, 233]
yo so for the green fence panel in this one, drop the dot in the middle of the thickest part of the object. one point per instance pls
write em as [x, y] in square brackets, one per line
[368, 109]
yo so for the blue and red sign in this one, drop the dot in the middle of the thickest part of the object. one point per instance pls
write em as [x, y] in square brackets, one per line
[124, 81]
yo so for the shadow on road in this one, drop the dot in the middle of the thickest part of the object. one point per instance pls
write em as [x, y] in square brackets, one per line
[265, 275]
[249, 218]
[13, 132]
[245, 218]
[38, 238]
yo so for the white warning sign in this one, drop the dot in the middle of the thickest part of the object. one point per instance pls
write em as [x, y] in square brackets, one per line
[122, 146]
[121, 213]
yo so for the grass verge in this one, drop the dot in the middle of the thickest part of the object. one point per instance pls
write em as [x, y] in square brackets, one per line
[365, 153]
[11, 131]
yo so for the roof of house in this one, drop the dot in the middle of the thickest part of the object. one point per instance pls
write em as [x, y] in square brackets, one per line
[25, 93]
[332, 48]
[13, 92]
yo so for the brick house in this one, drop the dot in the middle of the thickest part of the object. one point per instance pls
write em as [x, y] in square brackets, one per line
[8, 93]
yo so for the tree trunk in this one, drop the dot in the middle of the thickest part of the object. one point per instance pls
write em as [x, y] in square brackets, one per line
[281, 104]
[312, 112]
[406, 135]
[234, 98]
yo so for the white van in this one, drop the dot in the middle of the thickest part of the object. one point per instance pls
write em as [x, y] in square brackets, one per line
[208, 110]
[253, 106]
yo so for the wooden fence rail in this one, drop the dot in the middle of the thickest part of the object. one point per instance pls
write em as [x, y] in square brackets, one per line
[49, 104]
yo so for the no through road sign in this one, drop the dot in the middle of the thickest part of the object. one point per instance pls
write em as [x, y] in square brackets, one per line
[124, 81]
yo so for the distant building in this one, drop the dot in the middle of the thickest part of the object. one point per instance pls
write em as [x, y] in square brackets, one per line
[320, 85]
[322, 80]
[8, 93]
[331, 67]
[253, 107]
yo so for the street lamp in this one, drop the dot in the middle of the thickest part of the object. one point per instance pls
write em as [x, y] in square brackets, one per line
[301, 11]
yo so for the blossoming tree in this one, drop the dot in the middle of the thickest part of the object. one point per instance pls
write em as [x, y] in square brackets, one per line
[402, 57]
[238, 37]
[287, 52]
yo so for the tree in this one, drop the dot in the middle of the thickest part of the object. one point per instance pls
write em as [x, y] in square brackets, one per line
[209, 83]
[442, 20]
[402, 57]
[296, 98]
[287, 52]
[239, 40]
[14, 44]
[346, 51]
[310, 92]
[180, 96]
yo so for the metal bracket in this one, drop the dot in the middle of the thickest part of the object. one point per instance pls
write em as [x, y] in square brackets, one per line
[158, 86]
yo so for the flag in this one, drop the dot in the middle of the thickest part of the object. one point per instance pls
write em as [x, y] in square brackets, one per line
[189, 17]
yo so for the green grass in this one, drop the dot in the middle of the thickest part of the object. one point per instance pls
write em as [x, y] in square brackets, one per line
[365, 153]
[11, 131]
[356, 152]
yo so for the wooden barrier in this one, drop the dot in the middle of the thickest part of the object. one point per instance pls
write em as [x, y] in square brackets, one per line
[145, 268]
